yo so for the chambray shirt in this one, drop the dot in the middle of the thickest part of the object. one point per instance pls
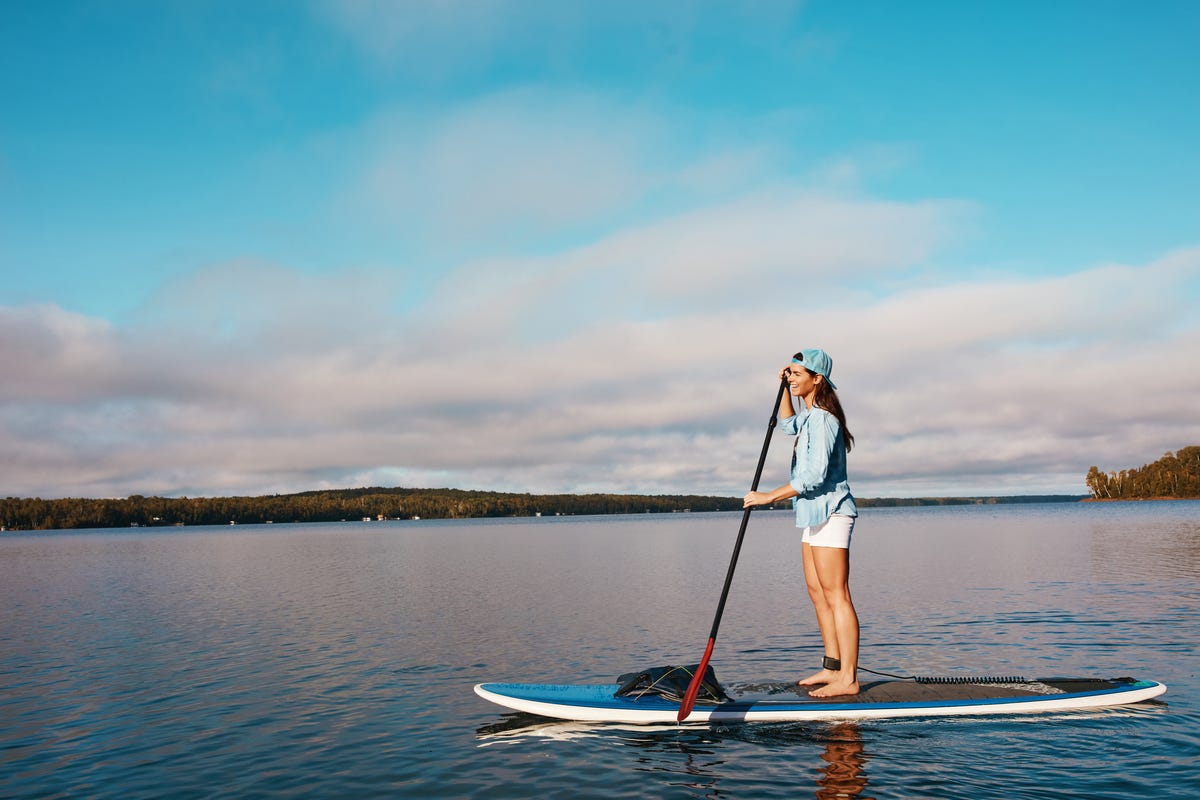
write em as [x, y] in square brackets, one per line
[818, 467]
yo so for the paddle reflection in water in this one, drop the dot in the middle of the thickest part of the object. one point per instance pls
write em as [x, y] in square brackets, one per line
[838, 771]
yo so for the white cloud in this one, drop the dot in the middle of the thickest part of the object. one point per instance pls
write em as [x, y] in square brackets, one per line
[442, 34]
[438, 41]
[509, 165]
[49, 354]
[771, 251]
[1032, 377]
[1017, 385]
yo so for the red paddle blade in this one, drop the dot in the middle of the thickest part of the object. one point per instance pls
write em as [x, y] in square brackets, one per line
[689, 699]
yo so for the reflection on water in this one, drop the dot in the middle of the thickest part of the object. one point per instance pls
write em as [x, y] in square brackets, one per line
[693, 751]
[844, 774]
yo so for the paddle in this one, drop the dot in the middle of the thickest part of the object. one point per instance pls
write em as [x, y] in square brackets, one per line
[689, 699]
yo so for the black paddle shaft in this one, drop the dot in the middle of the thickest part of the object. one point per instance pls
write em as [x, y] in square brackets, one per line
[737, 547]
[689, 699]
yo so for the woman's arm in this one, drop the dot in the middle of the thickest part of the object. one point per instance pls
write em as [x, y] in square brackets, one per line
[784, 492]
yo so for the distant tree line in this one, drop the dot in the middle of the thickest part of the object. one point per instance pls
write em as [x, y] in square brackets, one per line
[384, 503]
[906, 502]
[333, 506]
[1175, 475]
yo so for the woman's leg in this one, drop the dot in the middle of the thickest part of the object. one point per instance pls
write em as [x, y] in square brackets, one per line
[832, 568]
[825, 617]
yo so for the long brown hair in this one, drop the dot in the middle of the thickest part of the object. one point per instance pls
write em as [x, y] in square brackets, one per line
[827, 399]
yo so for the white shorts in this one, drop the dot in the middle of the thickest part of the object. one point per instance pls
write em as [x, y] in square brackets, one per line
[833, 532]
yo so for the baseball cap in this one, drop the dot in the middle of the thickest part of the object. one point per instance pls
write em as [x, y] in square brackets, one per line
[818, 361]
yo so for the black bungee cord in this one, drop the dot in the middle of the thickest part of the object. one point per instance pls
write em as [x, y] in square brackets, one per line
[948, 679]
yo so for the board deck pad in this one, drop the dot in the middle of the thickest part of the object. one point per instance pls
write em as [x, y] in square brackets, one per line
[773, 701]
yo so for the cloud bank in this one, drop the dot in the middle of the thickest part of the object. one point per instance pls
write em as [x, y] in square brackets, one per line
[1015, 385]
[534, 334]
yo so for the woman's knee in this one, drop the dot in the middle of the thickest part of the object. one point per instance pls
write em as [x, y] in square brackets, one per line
[837, 597]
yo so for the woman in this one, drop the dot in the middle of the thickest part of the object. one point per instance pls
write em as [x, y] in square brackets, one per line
[825, 511]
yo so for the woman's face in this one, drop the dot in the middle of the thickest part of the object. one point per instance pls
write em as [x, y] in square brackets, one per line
[801, 382]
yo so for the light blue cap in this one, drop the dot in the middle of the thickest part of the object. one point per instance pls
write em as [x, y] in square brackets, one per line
[817, 361]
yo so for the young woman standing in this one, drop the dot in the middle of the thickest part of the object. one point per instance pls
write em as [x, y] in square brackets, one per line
[825, 511]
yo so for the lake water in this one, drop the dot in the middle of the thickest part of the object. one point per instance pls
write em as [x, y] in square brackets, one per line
[338, 660]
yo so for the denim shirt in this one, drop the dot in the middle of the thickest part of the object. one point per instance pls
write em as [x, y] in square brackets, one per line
[818, 467]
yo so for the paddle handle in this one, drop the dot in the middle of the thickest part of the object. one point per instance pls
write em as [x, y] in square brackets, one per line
[689, 698]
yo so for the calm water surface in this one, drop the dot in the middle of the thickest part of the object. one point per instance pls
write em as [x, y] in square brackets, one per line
[338, 660]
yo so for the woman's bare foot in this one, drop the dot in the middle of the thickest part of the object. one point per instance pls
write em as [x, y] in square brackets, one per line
[836, 688]
[822, 677]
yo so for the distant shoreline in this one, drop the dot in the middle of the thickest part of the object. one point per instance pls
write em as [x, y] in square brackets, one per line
[884, 502]
[381, 503]
[1087, 499]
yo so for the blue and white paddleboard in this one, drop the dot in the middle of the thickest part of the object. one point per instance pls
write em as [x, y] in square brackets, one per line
[781, 702]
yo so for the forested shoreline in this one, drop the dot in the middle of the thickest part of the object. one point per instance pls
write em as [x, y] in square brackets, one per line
[371, 503]
[379, 503]
[1175, 476]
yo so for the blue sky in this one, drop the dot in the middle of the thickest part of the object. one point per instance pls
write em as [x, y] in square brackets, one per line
[545, 246]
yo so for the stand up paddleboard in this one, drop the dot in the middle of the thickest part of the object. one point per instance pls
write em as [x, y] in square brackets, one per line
[785, 702]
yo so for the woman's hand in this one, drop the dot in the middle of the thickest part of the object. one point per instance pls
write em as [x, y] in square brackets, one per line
[785, 492]
[756, 499]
